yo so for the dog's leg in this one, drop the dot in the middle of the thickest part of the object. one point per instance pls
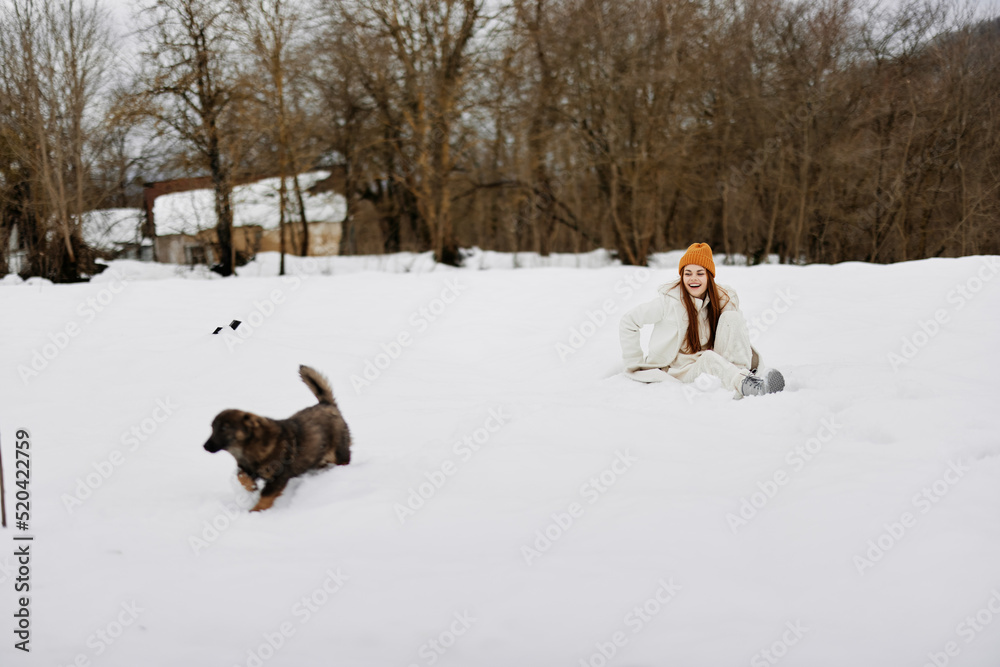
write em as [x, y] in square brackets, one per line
[270, 493]
[333, 458]
[248, 483]
[340, 454]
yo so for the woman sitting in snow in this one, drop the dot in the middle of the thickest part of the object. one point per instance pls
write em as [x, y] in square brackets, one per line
[718, 345]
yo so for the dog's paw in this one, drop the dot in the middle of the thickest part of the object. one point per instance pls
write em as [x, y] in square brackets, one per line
[264, 503]
[248, 483]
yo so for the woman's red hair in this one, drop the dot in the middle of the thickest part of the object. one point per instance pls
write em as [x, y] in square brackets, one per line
[692, 341]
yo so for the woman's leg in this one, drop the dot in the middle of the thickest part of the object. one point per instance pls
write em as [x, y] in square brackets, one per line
[732, 339]
[713, 363]
[648, 375]
[729, 360]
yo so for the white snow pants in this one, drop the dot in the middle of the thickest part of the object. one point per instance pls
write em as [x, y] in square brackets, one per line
[729, 360]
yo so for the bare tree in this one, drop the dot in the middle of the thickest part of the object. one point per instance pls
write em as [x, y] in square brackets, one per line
[55, 62]
[431, 47]
[274, 34]
[192, 88]
[356, 89]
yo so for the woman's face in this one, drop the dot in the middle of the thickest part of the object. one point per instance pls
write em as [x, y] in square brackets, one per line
[695, 280]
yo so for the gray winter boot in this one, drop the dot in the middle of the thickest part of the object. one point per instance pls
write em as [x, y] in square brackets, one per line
[754, 385]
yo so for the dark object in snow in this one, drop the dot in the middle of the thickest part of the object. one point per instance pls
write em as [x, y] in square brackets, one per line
[232, 325]
[277, 450]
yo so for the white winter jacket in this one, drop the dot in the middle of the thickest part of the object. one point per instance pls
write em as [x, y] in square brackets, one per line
[670, 321]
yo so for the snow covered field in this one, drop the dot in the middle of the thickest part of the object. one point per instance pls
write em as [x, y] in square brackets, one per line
[512, 500]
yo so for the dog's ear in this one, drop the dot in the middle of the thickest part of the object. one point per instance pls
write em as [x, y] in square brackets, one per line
[251, 422]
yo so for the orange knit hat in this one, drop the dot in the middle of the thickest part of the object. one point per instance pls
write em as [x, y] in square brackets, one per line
[700, 254]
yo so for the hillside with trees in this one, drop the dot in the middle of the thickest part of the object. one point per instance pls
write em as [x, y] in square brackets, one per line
[817, 131]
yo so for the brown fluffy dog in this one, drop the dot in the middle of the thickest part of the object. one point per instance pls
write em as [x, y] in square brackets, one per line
[276, 450]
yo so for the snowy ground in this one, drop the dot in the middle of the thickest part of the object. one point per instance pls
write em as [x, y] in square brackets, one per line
[581, 519]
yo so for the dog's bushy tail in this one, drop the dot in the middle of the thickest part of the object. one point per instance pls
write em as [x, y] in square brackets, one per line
[317, 385]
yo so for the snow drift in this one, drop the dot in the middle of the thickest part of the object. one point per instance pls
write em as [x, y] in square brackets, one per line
[512, 499]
